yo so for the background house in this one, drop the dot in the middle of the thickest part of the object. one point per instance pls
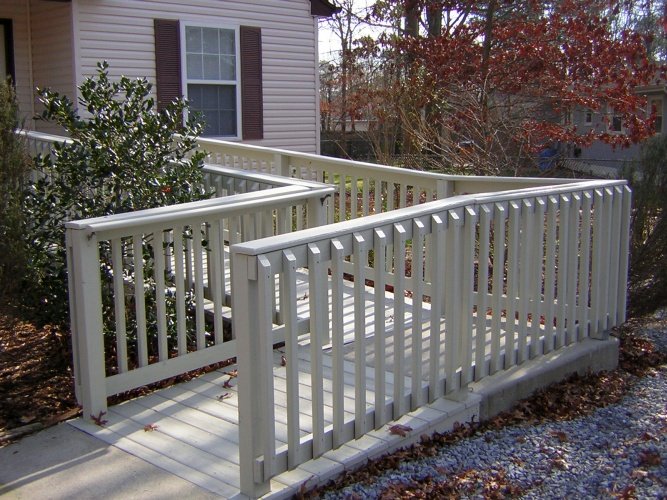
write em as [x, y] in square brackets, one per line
[601, 157]
[249, 65]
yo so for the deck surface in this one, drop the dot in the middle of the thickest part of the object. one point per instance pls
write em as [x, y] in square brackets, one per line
[191, 429]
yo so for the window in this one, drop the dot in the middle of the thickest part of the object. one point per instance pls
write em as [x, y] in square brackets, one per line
[588, 117]
[211, 77]
[616, 123]
[614, 120]
[655, 108]
[6, 50]
[218, 69]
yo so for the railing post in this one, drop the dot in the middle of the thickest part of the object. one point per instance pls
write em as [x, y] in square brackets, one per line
[85, 296]
[624, 255]
[317, 213]
[444, 189]
[253, 370]
[281, 165]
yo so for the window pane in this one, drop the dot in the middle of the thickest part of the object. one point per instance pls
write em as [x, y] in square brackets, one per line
[217, 104]
[194, 66]
[228, 68]
[617, 123]
[210, 37]
[192, 39]
[227, 42]
[195, 98]
[227, 97]
[211, 67]
[228, 123]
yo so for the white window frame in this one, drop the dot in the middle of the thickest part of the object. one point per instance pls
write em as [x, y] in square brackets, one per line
[611, 113]
[659, 109]
[237, 83]
[588, 117]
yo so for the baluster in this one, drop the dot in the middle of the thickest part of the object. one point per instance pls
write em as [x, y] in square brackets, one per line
[499, 218]
[139, 300]
[536, 345]
[417, 284]
[400, 238]
[160, 295]
[550, 271]
[199, 286]
[288, 305]
[119, 304]
[512, 282]
[360, 259]
[485, 216]
[317, 289]
[454, 282]
[179, 284]
[467, 276]
[380, 338]
[217, 278]
[562, 278]
[337, 335]
[525, 271]
[573, 263]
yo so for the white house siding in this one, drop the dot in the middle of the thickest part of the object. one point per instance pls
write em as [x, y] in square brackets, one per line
[121, 32]
[17, 11]
[52, 52]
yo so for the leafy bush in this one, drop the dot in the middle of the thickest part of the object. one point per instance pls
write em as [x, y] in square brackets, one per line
[14, 168]
[648, 272]
[123, 156]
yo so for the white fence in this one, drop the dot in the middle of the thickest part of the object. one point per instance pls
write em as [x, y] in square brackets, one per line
[512, 276]
[427, 282]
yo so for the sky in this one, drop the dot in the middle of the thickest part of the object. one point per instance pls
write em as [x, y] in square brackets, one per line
[328, 43]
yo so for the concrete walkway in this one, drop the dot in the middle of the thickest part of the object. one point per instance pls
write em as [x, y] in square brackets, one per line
[64, 463]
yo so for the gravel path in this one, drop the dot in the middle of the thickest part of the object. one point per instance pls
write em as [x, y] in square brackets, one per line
[618, 451]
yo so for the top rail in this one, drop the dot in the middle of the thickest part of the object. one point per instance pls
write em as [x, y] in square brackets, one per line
[278, 242]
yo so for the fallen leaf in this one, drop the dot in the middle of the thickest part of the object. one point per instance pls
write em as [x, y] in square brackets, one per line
[150, 427]
[649, 458]
[224, 396]
[560, 464]
[400, 430]
[647, 436]
[227, 384]
[560, 435]
[283, 361]
[232, 374]
[26, 419]
[98, 419]
[638, 474]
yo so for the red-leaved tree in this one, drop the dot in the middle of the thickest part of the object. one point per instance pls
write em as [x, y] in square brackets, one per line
[480, 87]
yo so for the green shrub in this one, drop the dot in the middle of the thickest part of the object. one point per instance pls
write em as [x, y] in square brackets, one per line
[648, 272]
[124, 156]
[14, 169]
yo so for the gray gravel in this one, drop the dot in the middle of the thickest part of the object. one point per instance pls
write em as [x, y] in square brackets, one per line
[618, 449]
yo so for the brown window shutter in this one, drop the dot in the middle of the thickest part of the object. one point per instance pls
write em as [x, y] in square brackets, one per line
[167, 61]
[252, 107]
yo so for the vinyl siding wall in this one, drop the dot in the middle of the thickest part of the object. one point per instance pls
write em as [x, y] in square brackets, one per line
[17, 11]
[121, 32]
[53, 65]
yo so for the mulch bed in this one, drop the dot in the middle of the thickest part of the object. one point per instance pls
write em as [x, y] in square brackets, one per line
[36, 379]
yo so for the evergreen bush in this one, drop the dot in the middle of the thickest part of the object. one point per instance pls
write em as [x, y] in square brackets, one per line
[15, 167]
[123, 156]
